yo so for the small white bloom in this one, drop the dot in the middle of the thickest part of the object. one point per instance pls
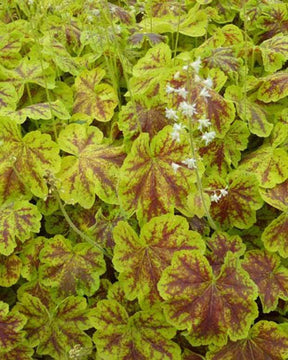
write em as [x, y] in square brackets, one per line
[171, 114]
[177, 128]
[176, 75]
[204, 92]
[90, 18]
[224, 192]
[182, 92]
[95, 12]
[215, 197]
[208, 82]
[196, 65]
[191, 163]
[203, 123]
[187, 109]
[175, 167]
[30, 2]
[169, 89]
[197, 78]
[208, 137]
[185, 67]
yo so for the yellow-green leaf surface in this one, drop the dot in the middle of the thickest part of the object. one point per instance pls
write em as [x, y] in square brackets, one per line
[274, 87]
[210, 306]
[71, 269]
[98, 101]
[17, 221]
[274, 52]
[93, 168]
[141, 260]
[144, 335]
[274, 235]
[10, 269]
[148, 183]
[25, 161]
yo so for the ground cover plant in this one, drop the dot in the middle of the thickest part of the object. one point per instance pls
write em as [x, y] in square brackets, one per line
[144, 180]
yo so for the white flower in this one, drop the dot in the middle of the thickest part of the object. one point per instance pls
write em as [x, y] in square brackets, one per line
[196, 65]
[176, 75]
[197, 78]
[208, 82]
[215, 197]
[187, 109]
[171, 114]
[185, 67]
[95, 12]
[182, 92]
[224, 192]
[175, 167]
[177, 128]
[208, 137]
[90, 18]
[204, 92]
[169, 89]
[203, 123]
[30, 2]
[191, 163]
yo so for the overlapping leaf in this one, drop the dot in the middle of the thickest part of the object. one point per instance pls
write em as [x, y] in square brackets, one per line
[148, 183]
[274, 87]
[277, 196]
[10, 46]
[141, 260]
[8, 97]
[17, 220]
[266, 340]
[274, 52]
[10, 269]
[267, 273]
[93, 99]
[224, 59]
[91, 169]
[274, 236]
[71, 269]
[145, 335]
[20, 352]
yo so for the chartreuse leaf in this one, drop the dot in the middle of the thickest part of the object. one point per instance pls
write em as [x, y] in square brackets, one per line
[10, 45]
[238, 207]
[20, 352]
[268, 163]
[210, 306]
[148, 183]
[144, 335]
[274, 87]
[141, 260]
[11, 325]
[91, 169]
[10, 269]
[95, 100]
[71, 269]
[277, 196]
[274, 236]
[8, 97]
[274, 52]
[222, 58]
[24, 162]
[30, 257]
[56, 330]
[266, 340]
[267, 273]
[17, 220]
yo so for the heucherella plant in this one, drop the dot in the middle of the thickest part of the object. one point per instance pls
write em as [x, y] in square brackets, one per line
[143, 180]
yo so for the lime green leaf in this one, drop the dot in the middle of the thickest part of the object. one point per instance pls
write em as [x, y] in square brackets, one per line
[30, 257]
[91, 169]
[266, 340]
[224, 59]
[58, 329]
[8, 97]
[25, 162]
[274, 87]
[210, 306]
[11, 324]
[274, 52]
[148, 182]
[141, 260]
[17, 220]
[38, 290]
[98, 101]
[276, 197]
[10, 269]
[71, 269]
[145, 335]
[267, 273]
[10, 46]
[238, 207]
[274, 236]
[20, 352]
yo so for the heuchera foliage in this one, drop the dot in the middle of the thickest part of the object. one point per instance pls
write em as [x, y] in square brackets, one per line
[144, 180]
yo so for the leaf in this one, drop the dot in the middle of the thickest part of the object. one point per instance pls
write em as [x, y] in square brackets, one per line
[274, 52]
[145, 335]
[274, 87]
[274, 235]
[71, 269]
[238, 207]
[189, 355]
[148, 184]
[55, 331]
[10, 46]
[91, 169]
[98, 101]
[266, 340]
[277, 196]
[267, 273]
[34, 157]
[20, 352]
[8, 97]
[11, 324]
[141, 260]
[223, 58]
[211, 307]
[10, 269]
[17, 221]
[269, 164]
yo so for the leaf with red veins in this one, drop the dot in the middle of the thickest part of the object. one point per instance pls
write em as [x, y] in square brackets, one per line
[274, 52]
[8, 97]
[148, 183]
[267, 273]
[30, 257]
[71, 269]
[224, 59]
[277, 197]
[58, 329]
[144, 335]
[275, 237]
[11, 324]
[10, 269]
[17, 221]
[219, 245]
[141, 260]
[20, 352]
[91, 169]
[38, 290]
[189, 355]
[210, 306]
[274, 87]
[266, 340]
[238, 207]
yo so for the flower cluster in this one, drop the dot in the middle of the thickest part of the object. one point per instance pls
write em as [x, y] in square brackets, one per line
[191, 163]
[216, 197]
